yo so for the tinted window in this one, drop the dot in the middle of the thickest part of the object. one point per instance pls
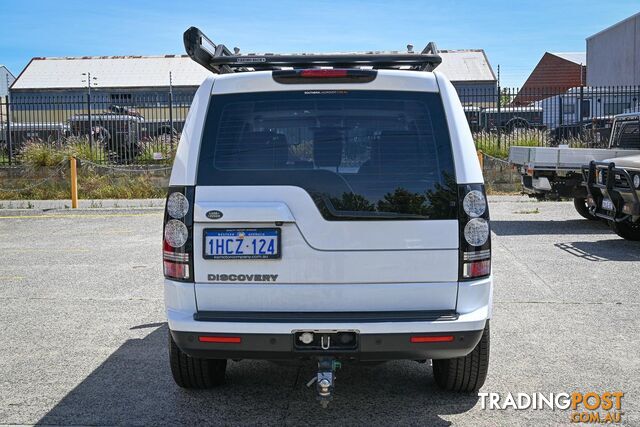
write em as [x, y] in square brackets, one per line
[359, 154]
[626, 134]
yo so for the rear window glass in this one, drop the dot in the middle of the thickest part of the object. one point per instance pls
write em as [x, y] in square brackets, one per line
[360, 155]
[626, 134]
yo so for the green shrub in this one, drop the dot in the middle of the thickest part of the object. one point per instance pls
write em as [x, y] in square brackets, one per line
[160, 145]
[489, 143]
[40, 154]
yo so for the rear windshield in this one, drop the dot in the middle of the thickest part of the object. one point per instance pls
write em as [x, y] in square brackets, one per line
[361, 155]
[626, 134]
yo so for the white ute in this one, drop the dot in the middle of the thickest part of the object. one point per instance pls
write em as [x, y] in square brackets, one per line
[329, 214]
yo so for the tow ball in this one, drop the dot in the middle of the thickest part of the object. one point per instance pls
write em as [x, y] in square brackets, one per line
[325, 379]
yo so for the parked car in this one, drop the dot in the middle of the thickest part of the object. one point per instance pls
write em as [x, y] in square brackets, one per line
[613, 185]
[117, 131]
[613, 189]
[556, 172]
[333, 214]
[509, 119]
[24, 132]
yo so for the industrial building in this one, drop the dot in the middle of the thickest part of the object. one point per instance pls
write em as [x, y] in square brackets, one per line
[119, 79]
[554, 74]
[613, 54]
[6, 79]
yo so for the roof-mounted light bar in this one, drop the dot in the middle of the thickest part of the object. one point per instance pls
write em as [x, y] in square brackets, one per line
[218, 59]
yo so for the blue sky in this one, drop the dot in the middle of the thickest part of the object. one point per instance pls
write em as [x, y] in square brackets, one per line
[514, 34]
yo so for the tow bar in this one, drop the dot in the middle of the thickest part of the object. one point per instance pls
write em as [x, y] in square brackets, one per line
[325, 379]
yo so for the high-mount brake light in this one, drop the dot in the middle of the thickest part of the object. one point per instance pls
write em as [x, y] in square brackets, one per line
[327, 73]
[475, 235]
[324, 75]
[177, 245]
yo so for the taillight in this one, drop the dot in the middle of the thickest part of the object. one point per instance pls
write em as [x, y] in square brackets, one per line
[324, 75]
[177, 247]
[475, 233]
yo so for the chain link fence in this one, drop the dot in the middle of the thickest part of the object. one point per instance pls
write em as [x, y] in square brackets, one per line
[131, 129]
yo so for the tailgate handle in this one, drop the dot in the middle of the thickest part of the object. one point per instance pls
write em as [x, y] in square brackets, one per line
[242, 212]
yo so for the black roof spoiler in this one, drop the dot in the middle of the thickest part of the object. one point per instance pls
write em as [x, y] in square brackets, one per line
[218, 59]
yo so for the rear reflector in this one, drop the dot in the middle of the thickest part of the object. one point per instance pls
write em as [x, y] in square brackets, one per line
[229, 340]
[432, 338]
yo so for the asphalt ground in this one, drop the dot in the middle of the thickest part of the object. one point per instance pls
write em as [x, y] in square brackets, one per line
[83, 338]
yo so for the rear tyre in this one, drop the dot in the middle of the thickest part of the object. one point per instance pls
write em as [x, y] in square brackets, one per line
[464, 374]
[580, 203]
[196, 373]
[626, 230]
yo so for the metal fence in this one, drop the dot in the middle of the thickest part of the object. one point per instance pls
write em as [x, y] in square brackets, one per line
[131, 130]
[146, 129]
[545, 116]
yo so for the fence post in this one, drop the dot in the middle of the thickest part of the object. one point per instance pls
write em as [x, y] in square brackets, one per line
[90, 121]
[499, 118]
[171, 116]
[9, 141]
[74, 182]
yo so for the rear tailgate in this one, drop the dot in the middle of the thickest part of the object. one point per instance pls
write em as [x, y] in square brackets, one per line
[357, 186]
[323, 265]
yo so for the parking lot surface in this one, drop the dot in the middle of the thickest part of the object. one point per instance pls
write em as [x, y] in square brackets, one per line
[83, 338]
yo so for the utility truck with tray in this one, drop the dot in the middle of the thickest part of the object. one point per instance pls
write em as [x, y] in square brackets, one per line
[326, 207]
[556, 172]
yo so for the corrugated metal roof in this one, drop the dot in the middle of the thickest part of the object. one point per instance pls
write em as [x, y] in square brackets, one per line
[634, 16]
[466, 65]
[153, 71]
[111, 71]
[575, 57]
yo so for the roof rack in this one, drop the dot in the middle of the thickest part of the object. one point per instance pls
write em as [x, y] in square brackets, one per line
[218, 59]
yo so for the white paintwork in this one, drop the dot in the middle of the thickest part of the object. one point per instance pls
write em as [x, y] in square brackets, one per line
[240, 211]
[186, 160]
[327, 265]
[474, 308]
[262, 81]
[326, 297]
[464, 150]
[332, 235]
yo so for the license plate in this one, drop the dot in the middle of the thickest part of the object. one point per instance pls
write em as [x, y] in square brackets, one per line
[607, 204]
[241, 243]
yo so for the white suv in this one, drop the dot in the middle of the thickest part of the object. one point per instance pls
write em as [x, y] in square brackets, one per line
[328, 214]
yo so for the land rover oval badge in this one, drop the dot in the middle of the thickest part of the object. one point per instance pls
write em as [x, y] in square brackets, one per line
[214, 214]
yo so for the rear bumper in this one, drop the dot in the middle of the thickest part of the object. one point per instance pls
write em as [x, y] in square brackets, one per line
[384, 328]
[371, 347]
